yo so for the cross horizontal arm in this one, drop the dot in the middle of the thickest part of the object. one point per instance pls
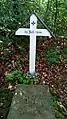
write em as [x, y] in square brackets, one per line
[42, 32]
[37, 32]
[23, 31]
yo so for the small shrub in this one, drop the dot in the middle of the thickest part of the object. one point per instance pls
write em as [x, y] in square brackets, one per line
[65, 60]
[26, 80]
[64, 81]
[58, 108]
[17, 76]
[58, 51]
[59, 115]
[38, 57]
[53, 60]
[6, 53]
[65, 49]
[22, 49]
[13, 76]
[52, 56]
[53, 44]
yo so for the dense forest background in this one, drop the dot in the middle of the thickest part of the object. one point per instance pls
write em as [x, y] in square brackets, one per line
[14, 12]
[51, 55]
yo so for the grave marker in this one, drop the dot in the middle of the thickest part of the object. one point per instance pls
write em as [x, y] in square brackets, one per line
[32, 32]
[31, 102]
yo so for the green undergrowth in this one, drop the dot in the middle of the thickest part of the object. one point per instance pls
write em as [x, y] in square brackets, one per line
[59, 109]
[51, 56]
[55, 54]
[17, 76]
[20, 78]
[22, 49]
[64, 80]
[5, 101]
[5, 55]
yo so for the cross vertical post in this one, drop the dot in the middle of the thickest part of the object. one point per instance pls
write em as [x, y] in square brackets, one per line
[33, 26]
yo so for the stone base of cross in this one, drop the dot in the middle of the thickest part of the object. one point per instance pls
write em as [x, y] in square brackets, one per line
[32, 32]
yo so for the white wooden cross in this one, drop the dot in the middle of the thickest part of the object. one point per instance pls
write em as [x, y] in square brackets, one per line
[32, 32]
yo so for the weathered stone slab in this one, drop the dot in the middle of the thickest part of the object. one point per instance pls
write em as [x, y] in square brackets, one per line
[31, 102]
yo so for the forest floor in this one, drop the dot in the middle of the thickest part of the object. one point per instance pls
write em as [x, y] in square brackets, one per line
[50, 70]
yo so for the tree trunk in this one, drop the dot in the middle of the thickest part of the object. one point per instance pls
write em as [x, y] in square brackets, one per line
[47, 6]
[56, 11]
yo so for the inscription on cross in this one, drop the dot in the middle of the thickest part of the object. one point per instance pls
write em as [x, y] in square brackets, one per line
[32, 32]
